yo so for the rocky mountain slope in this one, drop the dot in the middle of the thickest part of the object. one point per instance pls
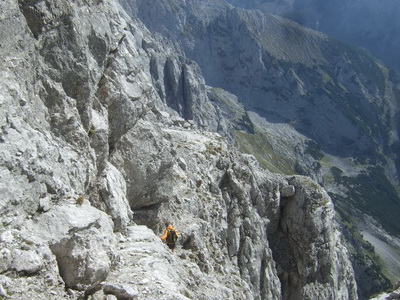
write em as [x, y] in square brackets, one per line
[371, 24]
[336, 95]
[302, 103]
[106, 132]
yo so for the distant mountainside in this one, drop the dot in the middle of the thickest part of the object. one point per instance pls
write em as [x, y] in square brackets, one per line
[371, 24]
[286, 73]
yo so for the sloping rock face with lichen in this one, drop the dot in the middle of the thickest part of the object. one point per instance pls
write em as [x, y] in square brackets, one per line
[106, 132]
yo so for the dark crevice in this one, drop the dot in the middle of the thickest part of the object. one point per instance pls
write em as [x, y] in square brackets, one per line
[34, 18]
[147, 215]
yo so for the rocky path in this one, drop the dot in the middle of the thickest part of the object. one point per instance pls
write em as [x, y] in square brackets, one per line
[146, 269]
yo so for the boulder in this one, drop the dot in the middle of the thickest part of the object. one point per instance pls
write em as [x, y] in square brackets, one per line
[82, 240]
[121, 291]
[288, 191]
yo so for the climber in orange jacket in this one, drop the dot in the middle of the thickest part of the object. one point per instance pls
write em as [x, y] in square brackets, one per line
[170, 236]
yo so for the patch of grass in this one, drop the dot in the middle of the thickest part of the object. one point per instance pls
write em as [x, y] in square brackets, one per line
[91, 131]
[257, 145]
[80, 200]
[213, 149]
[29, 242]
[187, 294]
[389, 274]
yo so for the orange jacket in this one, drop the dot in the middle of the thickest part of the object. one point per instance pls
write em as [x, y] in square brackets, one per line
[166, 232]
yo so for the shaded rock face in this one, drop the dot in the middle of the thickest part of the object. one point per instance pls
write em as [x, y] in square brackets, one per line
[309, 268]
[104, 126]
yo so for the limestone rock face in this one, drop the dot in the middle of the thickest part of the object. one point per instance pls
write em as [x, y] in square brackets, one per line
[82, 240]
[277, 232]
[310, 237]
[105, 134]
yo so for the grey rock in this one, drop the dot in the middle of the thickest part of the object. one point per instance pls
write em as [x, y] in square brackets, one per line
[105, 124]
[44, 204]
[113, 196]
[26, 261]
[246, 60]
[82, 240]
[7, 237]
[242, 60]
[120, 291]
[182, 163]
[288, 191]
[344, 21]
[6, 260]
[304, 225]
[3, 292]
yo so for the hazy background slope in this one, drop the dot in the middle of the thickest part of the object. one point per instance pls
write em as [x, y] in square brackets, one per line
[371, 24]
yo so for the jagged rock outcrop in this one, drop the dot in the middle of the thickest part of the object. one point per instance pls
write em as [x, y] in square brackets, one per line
[104, 126]
[309, 269]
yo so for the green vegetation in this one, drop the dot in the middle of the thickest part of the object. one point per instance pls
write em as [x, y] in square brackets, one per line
[257, 145]
[362, 252]
[314, 150]
[372, 193]
[389, 274]
[91, 131]
[80, 200]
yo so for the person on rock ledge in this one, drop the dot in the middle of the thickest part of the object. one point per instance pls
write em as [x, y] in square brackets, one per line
[170, 236]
